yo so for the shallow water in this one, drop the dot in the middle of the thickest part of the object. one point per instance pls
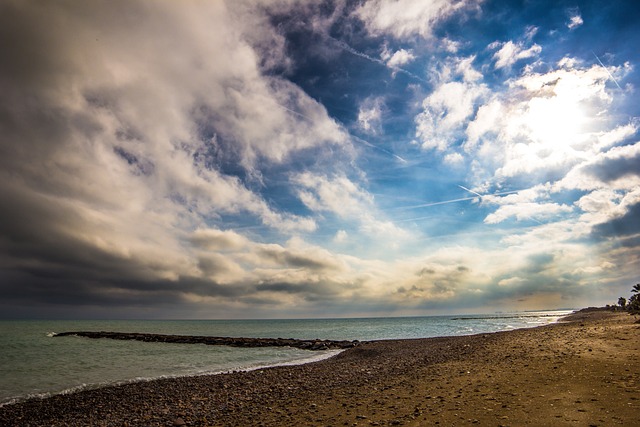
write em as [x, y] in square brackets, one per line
[34, 363]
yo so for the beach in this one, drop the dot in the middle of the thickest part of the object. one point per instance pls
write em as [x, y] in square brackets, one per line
[581, 372]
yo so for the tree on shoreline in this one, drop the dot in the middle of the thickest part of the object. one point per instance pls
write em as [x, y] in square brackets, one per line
[634, 302]
[622, 302]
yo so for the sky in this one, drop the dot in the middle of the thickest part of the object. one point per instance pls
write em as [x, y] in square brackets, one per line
[293, 159]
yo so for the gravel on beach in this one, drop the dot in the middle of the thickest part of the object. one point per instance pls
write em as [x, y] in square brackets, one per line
[584, 372]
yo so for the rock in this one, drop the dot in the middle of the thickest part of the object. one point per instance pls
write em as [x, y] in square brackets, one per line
[179, 422]
[317, 345]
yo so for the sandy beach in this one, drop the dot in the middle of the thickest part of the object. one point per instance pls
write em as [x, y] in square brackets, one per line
[580, 372]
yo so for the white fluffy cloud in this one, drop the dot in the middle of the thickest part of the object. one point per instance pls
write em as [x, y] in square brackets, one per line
[404, 18]
[398, 58]
[510, 52]
[446, 111]
[545, 121]
[340, 196]
[616, 168]
[370, 115]
[451, 105]
[554, 128]
[527, 211]
[575, 19]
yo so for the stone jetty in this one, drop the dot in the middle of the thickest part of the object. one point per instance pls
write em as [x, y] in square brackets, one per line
[228, 341]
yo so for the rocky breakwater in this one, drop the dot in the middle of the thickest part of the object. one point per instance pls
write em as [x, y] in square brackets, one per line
[229, 341]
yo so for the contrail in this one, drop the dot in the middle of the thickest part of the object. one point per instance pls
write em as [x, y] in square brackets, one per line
[463, 199]
[293, 111]
[353, 51]
[607, 70]
[471, 191]
[495, 194]
[368, 144]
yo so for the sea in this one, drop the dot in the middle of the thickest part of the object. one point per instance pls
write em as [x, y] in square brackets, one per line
[36, 364]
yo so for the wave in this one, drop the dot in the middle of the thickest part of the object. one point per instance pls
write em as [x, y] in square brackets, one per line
[513, 316]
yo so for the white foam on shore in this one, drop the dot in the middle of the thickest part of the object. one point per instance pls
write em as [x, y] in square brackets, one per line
[326, 354]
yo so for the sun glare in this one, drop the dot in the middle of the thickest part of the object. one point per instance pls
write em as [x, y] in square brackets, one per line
[557, 120]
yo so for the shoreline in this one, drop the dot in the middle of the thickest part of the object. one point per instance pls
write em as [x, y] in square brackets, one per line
[312, 358]
[392, 382]
[326, 346]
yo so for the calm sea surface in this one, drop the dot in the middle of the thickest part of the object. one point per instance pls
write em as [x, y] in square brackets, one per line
[33, 363]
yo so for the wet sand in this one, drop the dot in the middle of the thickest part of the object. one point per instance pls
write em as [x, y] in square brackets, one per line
[585, 372]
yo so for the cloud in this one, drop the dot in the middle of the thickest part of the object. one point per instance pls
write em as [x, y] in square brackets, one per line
[527, 211]
[343, 198]
[220, 269]
[600, 206]
[398, 58]
[545, 122]
[393, 68]
[512, 281]
[447, 109]
[118, 131]
[615, 136]
[337, 194]
[449, 45]
[445, 112]
[464, 67]
[453, 159]
[132, 121]
[532, 194]
[219, 240]
[610, 212]
[621, 226]
[405, 18]
[510, 53]
[550, 130]
[615, 168]
[370, 115]
[341, 236]
[575, 19]
[487, 120]
[306, 258]
[176, 160]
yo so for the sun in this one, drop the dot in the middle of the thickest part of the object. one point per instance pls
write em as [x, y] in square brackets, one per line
[558, 120]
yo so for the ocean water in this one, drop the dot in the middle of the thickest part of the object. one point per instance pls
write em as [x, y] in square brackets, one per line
[33, 363]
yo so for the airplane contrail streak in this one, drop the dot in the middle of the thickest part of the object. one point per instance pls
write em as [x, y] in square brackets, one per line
[353, 51]
[375, 147]
[471, 191]
[607, 70]
[463, 199]
[495, 194]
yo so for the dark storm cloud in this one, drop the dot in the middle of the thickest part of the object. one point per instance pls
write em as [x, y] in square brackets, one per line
[297, 260]
[72, 290]
[626, 225]
[309, 291]
[620, 163]
[35, 237]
